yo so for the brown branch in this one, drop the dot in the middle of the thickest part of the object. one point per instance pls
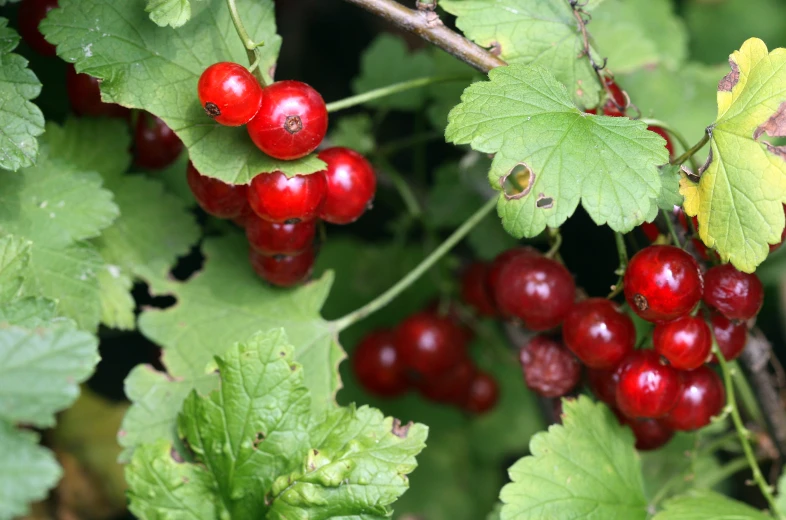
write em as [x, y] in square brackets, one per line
[427, 25]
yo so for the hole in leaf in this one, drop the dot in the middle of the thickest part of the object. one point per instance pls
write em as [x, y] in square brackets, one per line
[544, 202]
[518, 182]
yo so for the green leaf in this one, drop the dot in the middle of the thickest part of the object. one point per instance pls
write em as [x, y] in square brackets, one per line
[14, 262]
[169, 12]
[117, 303]
[539, 32]
[707, 505]
[99, 145]
[669, 187]
[151, 68]
[780, 500]
[21, 121]
[741, 213]
[526, 117]
[354, 132]
[445, 95]
[586, 468]
[28, 312]
[27, 471]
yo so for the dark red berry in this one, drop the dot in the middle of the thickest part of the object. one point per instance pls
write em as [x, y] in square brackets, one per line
[229, 93]
[430, 345]
[377, 365]
[701, 249]
[647, 387]
[701, 398]
[291, 122]
[730, 336]
[351, 184]
[495, 268]
[475, 290]
[278, 198]
[246, 214]
[483, 394]
[452, 387]
[283, 270]
[650, 230]
[611, 110]
[685, 342]
[273, 238]
[603, 384]
[736, 295]
[549, 368]
[664, 134]
[662, 283]
[31, 12]
[773, 247]
[616, 95]
[650, 434]
[216, 197]
[598, 333]
[592, 111]
[155, 144]
[84, 94]
[537, 290]
[452, 312]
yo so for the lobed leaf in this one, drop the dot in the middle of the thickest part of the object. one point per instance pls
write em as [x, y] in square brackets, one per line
[14, 262]
[707, 505]
[169, 12]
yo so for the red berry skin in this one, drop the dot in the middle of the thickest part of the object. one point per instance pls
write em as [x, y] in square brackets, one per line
[611, 110]
[291, 122]
[351, 184]
[701, 398]
[216, 197]
[537, 290]
[377, 365]
[662, 283]
[156, 146]
[278, 198]
[730, 336]
[229, 93]
[475, 290]
[603, 383]
[650, 230]
[685, 342]
[647, 388]
[430, 345]
[549, 368]
[650, 434]
[483, 394]
[736, 295]
[495, 268]
[272, 238]
[452, 387]
[598, 334]
[664, 134]
[616, 95]
[84, 94]
[283, 270]
[31, 12]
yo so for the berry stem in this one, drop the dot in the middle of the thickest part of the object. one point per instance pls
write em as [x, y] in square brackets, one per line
[622, 252]
[690, 152]
[389, 90]
[386, 297]
[250, 45]
[402, 187]
[673, 232]
[555, 237]
[745, 392]
[394, 146]
[675, 134]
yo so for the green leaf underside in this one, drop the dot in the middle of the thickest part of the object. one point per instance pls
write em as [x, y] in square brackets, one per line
[526, 117]
[586, 468]
[153, 68]
[707, 505]
[169, 12]
[670, 187]
[21, 122]
[538, 32]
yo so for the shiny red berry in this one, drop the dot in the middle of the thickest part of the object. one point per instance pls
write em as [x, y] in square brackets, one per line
[475, 289]
[351, 184]
[278, 198]
[377, 365]
[430, 345]
[31, 12]
[216, 197]
[598, 333]
[730, 336]
[650, 230]
[273, 238]
[616, 95]
[773, 247]
[483, 394]
[283, 270]
[650, 434]
[736, 295]
[229, 93]
[685, 342]
[155, 144]
[537, 290]
[549, 368]
[647, 387]
[84, 95]
[664, 134]
[662, 283]
[611, 110]
[291, 122]
[495, 267]
[452, 387]
[603, 383]
[701, 398]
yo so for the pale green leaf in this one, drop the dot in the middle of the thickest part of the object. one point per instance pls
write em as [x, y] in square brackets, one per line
[707, 505]
[669, 188]
[169, 12]
[117, 304]
[99, 145]
[29, 313]
[354, 132]
[14, 262]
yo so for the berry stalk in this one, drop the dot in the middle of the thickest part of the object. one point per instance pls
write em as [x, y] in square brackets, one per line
[389, 90]
[248, 43]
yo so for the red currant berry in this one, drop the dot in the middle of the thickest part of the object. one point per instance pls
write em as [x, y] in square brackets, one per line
[701, 398]
[430, 345]
[730, 336]
[592, 111]
[377, 365]
[452, 313]
[603, 384]
[736, 295]
[611, 110]
[246, 214]
[647, 388]
[685, 342]
[598, 333]
[662, 283]
[483, 394]
[278, 198]
[283, 270]
[229, 93]
[537, 290]
[773, 247]
[549, 368]
[291, 122]
[155, 144]
[273, 238]
[650, 434]
[84, 94]
[31, 12]
[616, 95]
[475, 290]
[351, 184]
[216, 197]
[650, 230]
[451, 387]
[495, 268]
[664, 134]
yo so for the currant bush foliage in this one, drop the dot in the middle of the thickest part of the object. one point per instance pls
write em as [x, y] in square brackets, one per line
[169, 12]
[707, 505]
